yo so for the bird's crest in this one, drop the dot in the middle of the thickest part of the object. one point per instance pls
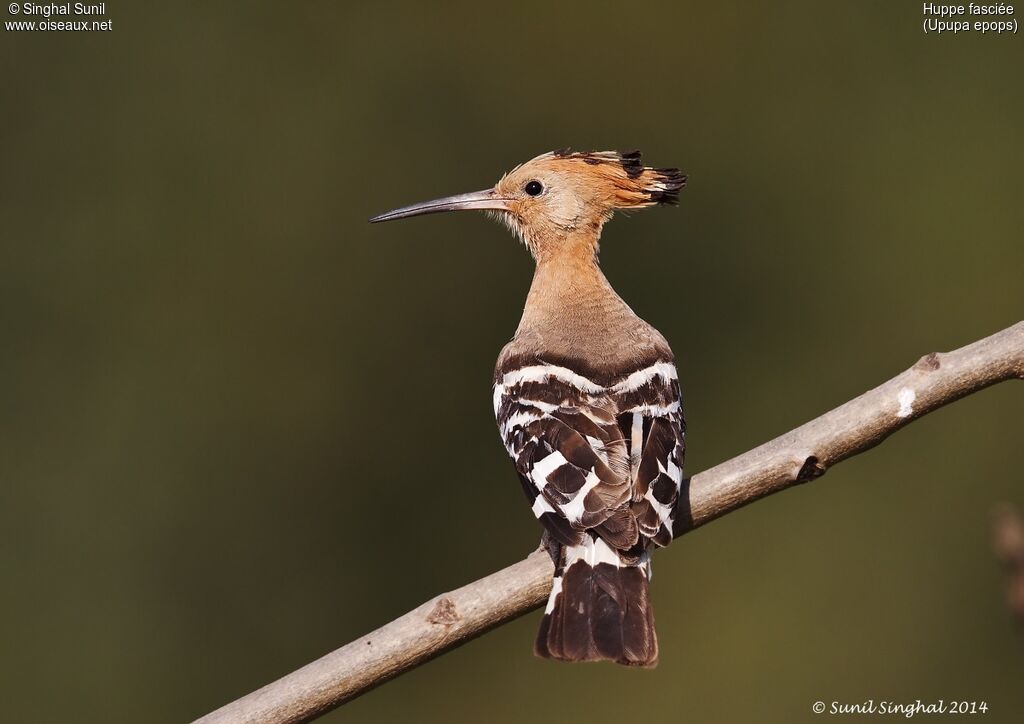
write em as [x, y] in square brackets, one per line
[558, 202]
[622, 175]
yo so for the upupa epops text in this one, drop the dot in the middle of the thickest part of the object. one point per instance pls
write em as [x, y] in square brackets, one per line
[587, 400]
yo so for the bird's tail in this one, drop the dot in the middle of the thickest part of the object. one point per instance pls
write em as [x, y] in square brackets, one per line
[599, 608]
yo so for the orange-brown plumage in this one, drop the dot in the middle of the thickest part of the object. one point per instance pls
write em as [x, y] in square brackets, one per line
[581, 191]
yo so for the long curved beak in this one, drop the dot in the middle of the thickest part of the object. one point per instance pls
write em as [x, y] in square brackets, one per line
[485, 199]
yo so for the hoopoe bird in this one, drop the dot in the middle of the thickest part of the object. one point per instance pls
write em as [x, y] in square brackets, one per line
[587, 400]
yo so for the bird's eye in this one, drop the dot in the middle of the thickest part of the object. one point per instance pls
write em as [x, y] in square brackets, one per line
[533, 188]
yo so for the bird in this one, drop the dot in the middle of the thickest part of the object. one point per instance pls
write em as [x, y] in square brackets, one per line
[587, 400]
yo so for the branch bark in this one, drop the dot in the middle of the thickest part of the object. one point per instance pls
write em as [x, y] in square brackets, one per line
[796, 457]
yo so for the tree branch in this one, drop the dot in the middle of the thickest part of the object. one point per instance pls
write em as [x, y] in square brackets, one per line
[795, 457]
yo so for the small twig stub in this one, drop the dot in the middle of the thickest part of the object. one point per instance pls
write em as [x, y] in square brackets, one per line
[444, 612]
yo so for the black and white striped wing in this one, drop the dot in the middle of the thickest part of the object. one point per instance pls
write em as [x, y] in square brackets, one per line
[562, 433]
[606, 459]
[651, 418]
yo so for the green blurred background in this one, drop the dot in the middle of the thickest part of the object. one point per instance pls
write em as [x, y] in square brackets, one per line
[239, 426]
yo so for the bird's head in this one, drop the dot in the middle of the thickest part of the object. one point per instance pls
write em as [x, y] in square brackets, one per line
[561, 200]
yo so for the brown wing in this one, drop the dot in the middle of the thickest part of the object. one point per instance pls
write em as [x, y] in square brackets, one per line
[561, 431]
[651, 418]
[566, 436]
